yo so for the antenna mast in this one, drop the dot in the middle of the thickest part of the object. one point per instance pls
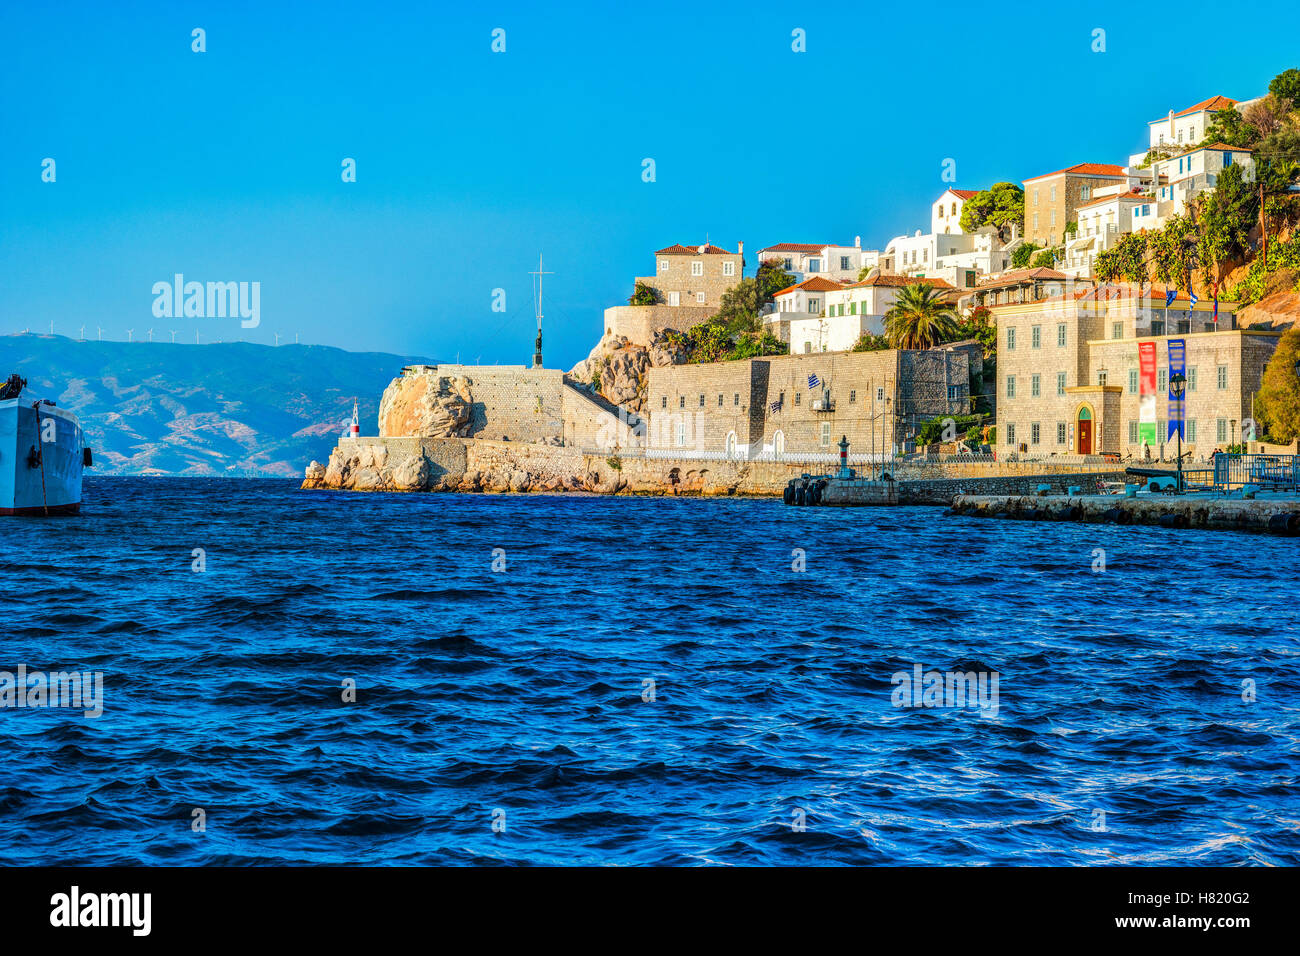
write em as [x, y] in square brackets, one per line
[537, 347]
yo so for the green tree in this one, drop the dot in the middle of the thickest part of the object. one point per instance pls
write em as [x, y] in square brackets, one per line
[755, 344]
[1229, 126]
[772, 278]
[1023, 253]
[1175, 251]
[741, 306]
[1001, 205]
[642, 294]
[1286, 86]
[1278, 403]
[919, 319]
[871, 343]
[1226, 217]
[1126, 260]
[1047, 258]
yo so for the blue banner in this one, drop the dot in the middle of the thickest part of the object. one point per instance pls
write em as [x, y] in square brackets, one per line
[1177, 406]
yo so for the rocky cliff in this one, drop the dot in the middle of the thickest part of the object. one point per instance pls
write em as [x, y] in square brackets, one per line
[425, 405]
[621, 366]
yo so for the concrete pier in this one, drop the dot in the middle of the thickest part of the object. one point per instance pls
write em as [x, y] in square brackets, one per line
[1278, 514]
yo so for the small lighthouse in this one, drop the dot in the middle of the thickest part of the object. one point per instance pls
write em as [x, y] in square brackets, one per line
[354, 429]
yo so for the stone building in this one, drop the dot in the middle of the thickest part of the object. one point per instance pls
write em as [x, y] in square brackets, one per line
[1051, 199]
[1069, 379]
[695, 276]
[786, 405]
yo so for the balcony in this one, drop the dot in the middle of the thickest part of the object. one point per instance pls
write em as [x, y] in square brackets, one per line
[823, 405]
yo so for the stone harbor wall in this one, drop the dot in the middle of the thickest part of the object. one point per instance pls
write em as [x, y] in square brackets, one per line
[458, 464]
[941, 491]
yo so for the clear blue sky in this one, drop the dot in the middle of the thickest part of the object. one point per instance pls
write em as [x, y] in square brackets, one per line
[225, 165]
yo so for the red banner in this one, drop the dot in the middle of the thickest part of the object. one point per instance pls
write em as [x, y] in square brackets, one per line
[1147, 367]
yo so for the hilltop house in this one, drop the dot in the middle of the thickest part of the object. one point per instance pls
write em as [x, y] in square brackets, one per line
[945, 216]
[1187, 127]
[826, 261]
[695, 275]
[1052, 200]
[1099, 225]
[1181, 178]
[852, 310]
[803, 300]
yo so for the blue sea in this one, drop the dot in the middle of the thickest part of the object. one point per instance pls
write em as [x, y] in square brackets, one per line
[576, 679]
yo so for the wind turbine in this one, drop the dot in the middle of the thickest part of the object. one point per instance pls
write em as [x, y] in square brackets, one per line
[173, 332]
[295, 338]
[51, 326]
[151, 336]
[101, 333]
[196, 337]
[128, 335]
[277, 338]
[83, 333]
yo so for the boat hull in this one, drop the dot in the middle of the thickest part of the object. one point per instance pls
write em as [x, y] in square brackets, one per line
[40, 459]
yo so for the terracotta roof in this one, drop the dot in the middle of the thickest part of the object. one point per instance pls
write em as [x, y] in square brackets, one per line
[1133, 195]
[1017, 276]
[1235, 149]
[1127, 290]
[1084, 169]
[1214, 104]
[898, 282]
[680, 250]
[815, 284]
[964, 193]
[796, 247]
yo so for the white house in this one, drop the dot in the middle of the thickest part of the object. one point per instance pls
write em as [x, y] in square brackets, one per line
[803, 300]
[1187, 127]
[829, 261]
[1099, 225]
[1183, 177]
[851, 311]
[945, 214]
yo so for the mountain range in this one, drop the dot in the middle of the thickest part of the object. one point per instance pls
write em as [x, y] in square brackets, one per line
[230, 409]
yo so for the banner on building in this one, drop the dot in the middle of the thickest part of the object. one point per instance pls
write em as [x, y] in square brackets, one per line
[1177, 405]
[1147, 394]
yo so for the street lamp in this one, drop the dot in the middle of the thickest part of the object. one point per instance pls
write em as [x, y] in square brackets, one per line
[1177, 382]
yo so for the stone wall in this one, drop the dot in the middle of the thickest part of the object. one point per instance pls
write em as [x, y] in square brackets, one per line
[637, 323]
[509, 402]
[877, 398]
[942, 491]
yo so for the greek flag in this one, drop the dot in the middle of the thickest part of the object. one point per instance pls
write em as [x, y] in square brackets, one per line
[1170, 295]
[775, 406]
[1194, 299]
[813, 381]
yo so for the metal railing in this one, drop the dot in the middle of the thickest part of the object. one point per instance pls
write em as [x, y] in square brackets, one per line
[1269, 472]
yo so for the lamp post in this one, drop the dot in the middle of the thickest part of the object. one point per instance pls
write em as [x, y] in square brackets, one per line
[1177, 382]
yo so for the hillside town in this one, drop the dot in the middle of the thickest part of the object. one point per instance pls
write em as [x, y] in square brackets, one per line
[1036, 319]
[1086, 316]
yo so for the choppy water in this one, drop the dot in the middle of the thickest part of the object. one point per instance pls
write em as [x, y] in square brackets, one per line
[521, 690]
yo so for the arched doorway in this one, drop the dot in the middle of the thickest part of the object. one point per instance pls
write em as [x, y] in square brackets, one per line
[778, 444]
[731, 444]
[1083, 430]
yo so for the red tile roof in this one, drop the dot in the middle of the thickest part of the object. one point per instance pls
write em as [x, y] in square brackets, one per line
[1213, 105]
[898, 282]
[1133, 194]
[680, 250]
[815, 284]
[1018, 276]
[796, 247]
[964, 193]
[1235, 149]
[1083, 169]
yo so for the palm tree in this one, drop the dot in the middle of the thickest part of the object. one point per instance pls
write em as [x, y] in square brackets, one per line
[920, 319]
